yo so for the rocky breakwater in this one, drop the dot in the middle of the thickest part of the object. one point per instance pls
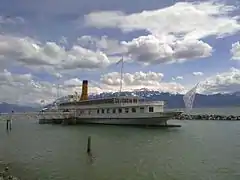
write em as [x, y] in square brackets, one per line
[208, 117]
[5, 175]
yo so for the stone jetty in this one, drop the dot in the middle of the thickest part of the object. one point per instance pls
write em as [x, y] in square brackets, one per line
[208, 117]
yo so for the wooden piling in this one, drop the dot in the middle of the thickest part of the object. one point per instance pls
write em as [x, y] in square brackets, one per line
[89, 145]
[7, 124]
[10, 124]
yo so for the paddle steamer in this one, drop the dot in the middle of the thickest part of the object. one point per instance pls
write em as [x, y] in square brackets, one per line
[120, 110]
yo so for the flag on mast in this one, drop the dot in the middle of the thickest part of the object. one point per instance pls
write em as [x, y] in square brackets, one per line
[119, 61]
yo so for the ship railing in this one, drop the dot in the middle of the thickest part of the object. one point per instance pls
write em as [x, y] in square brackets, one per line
[153, 103]
[107, 105]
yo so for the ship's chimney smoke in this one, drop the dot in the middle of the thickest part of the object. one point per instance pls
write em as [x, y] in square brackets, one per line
[84, 95]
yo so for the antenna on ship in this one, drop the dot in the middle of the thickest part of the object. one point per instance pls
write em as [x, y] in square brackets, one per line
[58, 95]
[121, 74]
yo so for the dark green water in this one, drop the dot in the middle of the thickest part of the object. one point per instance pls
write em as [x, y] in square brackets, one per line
[207, 150]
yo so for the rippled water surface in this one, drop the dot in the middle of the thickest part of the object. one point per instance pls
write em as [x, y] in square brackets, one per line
[198, 150]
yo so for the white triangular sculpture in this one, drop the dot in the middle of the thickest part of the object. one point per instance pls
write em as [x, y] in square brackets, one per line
[189, 97]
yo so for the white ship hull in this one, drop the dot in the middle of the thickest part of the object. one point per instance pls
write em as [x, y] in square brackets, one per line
[124, 119]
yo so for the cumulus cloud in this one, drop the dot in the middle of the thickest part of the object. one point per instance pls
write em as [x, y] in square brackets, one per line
[74, 82]
[236, 51]
[57, 75]
[104, 44]
[22, 89]
[29, 52]
[226, 82]
[153, 50]
[149, 80]
[75, 85]
[25, 89]
[198, 73]
[176, 32]
[177, 78]
[192, 20]
[138, 78]
[110, 82]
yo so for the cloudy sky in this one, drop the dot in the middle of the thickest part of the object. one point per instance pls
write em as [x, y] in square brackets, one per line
[166, 45]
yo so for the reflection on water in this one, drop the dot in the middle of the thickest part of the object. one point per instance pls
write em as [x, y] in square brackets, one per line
[197, 150]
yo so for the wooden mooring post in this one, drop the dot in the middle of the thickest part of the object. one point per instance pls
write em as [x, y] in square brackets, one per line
[8, 125]
[89, 145]
[9, 122]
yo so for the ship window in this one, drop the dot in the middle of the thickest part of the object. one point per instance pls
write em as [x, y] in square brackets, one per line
[133, 110]
[135, 101]
[120, 110]
[141, 109]
[102, 111]
[108, 110]
[150, 109]
[89, 112]
[114, 110]
[126, 110]
[98, 111]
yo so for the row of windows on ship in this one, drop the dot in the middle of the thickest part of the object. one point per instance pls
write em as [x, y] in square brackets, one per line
[104, 101]
[118, 110]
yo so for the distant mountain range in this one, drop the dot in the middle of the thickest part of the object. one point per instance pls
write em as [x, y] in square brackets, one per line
[6, 108]
[173, 100]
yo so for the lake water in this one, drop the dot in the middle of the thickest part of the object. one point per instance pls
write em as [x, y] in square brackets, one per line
[199, 150]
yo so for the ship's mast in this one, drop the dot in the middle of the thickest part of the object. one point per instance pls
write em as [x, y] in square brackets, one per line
[120, 90]
[58, 86]
[121, 75]
[58, 91]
